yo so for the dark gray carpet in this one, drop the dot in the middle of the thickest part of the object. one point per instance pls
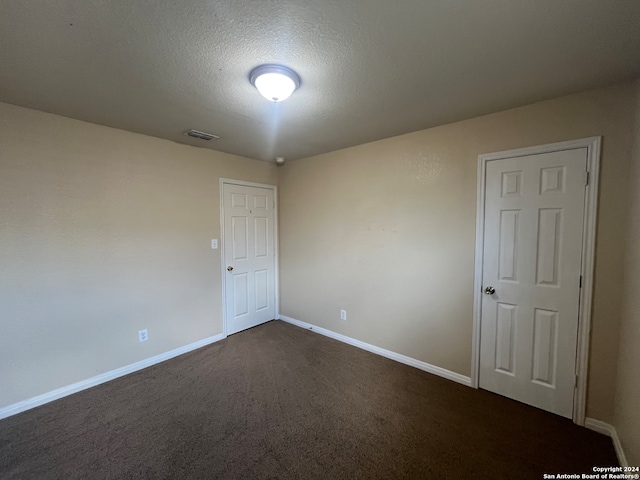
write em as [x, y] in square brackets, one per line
[278, 401]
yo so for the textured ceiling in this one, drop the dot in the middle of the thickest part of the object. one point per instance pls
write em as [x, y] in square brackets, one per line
[370, 69]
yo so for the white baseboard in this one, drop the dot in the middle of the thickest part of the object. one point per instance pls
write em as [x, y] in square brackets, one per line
[609, 431]
[102, 378]
[441, 372]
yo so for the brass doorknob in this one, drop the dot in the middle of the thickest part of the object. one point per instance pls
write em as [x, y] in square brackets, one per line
[489, 290]
[229, 268]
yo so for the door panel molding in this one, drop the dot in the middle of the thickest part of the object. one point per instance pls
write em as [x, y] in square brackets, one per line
[223, 260]
[593, 145]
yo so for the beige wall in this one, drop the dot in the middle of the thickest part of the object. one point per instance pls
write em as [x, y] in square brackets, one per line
[103, 233]
[627, 412]
[386, 230]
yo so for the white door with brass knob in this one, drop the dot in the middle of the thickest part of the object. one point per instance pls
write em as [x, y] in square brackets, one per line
[249, 255]
[531, 266]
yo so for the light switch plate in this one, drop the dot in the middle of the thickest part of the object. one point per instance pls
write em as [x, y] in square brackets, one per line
[214, 244]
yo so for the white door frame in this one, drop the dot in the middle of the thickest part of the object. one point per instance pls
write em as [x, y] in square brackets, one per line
[223, 262]
[592, 145]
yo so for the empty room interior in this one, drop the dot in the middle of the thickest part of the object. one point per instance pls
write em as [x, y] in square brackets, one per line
[304, 239]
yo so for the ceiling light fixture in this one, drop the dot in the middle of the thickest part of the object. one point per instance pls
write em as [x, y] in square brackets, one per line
[275, 82]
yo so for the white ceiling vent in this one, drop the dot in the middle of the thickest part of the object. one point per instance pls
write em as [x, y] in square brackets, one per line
[201, 135]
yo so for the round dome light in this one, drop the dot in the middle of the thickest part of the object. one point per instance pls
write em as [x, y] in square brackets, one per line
[274, 82]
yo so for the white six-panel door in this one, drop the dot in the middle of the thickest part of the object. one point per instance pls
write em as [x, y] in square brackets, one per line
[249, 253]
[533, 231]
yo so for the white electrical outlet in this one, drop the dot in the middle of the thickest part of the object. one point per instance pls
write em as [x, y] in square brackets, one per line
[343, 314]
[143, 335]
[214, 244]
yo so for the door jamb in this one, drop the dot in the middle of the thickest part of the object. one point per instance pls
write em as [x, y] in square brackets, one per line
[276, 247]
[592, 144]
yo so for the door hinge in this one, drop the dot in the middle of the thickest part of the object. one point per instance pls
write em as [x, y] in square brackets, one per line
[580, 281]
[586, 178]
[575, 381]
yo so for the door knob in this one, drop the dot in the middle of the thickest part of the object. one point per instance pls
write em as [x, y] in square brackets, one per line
[229, 268]
[489, 290]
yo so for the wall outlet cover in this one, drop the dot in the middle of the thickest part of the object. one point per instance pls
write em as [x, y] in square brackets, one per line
[143, 335]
